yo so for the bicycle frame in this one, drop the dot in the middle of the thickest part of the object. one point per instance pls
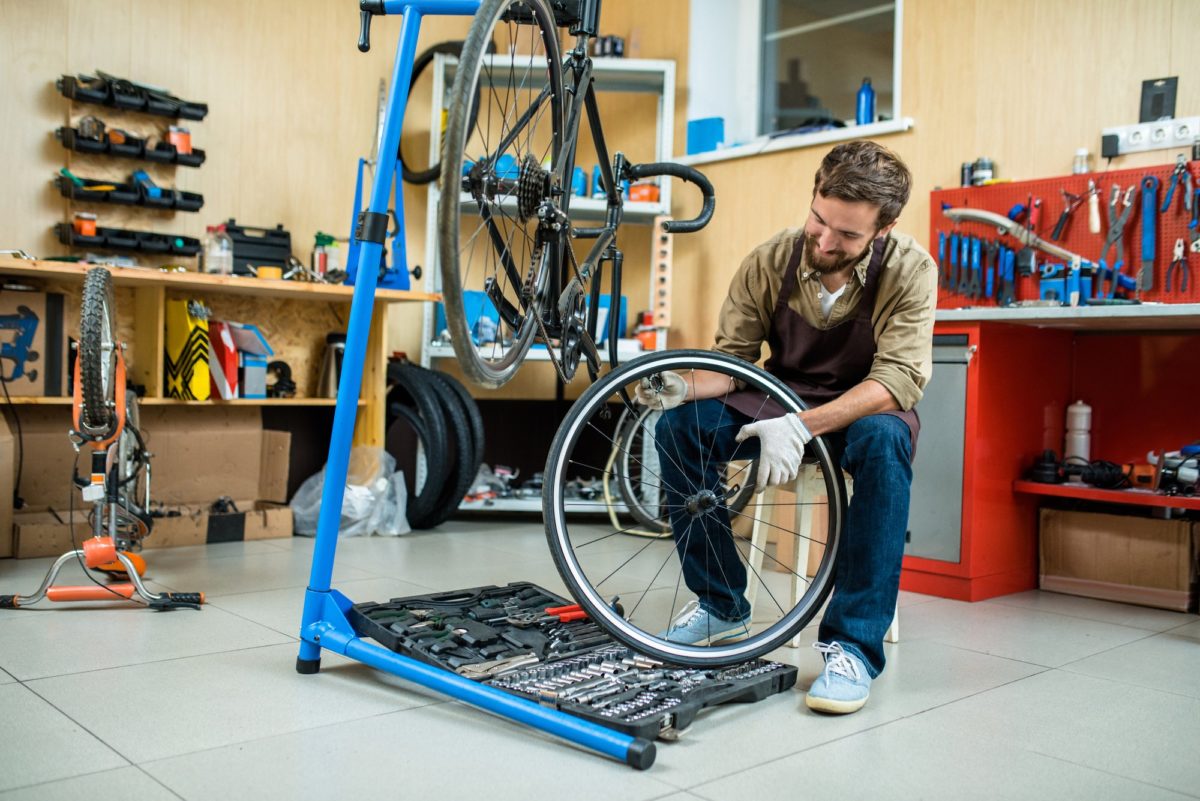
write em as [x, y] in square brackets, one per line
[324, 623]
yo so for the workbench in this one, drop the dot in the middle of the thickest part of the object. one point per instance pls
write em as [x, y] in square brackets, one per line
[994, 407]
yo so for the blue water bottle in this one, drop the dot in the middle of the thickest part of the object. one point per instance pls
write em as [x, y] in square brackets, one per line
[865, 108]
[597, 183]
[579, 182]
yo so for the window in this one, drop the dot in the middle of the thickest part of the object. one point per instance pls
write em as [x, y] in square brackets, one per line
[777, 70]
[814, 57]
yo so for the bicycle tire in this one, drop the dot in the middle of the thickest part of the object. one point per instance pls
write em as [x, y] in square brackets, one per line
[580, 578]
[419, 177]
[460, 449]
[467, 446]
[522, 251]
[635, 497]
[408, 384]
[97, 351]
[418, 501]
[474, 418]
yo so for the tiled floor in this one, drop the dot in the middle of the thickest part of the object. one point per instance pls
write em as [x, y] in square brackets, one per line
[1029, 696]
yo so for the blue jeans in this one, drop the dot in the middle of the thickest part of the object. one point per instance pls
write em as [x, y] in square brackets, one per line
[693, 440]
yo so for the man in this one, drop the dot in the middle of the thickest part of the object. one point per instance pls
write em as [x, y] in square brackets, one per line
[847, 308]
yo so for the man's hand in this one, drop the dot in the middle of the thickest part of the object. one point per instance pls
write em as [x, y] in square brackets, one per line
[782, 441]
[672, 393]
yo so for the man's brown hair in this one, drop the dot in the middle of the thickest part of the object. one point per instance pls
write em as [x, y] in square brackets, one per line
[864, 171]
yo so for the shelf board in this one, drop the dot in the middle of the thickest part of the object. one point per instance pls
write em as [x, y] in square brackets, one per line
[44, 401]
[536, 353]
[203, 282]
[598, 507]
[584, 209]
[1141, 317]
[1129, 497]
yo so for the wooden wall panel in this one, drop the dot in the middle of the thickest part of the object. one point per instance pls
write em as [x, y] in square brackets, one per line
[293, 106]
[1021, 81]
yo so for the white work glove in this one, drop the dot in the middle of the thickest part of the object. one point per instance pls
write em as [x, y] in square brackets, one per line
[782, 441]
[674, 390]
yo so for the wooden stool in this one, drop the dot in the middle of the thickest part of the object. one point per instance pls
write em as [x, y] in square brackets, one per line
[795, 551]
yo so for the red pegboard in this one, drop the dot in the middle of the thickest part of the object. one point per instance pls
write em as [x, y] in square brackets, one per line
[999, 198]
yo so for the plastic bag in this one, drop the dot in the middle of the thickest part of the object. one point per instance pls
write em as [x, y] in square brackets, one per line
[375, 499]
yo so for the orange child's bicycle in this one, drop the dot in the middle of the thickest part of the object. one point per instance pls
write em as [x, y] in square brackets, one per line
[105, 427]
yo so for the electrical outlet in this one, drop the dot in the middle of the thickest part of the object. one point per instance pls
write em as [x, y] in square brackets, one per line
[1161, 135]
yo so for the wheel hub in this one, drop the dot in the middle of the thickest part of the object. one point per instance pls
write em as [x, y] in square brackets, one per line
[702, 503]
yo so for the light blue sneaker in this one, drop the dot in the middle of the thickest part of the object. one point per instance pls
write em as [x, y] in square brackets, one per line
[697, 626]
[844, 686]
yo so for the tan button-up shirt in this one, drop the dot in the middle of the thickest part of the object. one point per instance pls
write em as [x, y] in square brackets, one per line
[902, 319]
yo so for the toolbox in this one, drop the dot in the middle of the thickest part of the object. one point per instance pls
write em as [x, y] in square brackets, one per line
[258, 247]
[530, 642]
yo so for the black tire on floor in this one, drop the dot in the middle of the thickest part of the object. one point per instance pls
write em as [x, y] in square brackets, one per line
[411, 388]
[474, 418]
[460, 450]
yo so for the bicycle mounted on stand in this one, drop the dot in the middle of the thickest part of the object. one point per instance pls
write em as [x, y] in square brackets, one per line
[105, 425]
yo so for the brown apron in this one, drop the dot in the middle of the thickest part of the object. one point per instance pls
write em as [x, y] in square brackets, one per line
[820, 364]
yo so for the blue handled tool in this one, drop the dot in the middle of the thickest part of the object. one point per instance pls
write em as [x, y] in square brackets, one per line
[952, 274]
[1180, 175]
[964, 260]
[941, 258]
[1008, 289]
[993, 250]
[976, 267]
[1150, 186]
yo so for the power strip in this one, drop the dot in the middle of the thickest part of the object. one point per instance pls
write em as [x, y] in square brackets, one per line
[1160, 135]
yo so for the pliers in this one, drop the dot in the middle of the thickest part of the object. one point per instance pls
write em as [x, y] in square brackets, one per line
[1180, 175]
[551, 614]
[1180, 261]
[1115, 238]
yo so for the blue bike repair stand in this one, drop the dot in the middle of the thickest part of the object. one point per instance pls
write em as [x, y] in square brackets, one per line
[325, 623]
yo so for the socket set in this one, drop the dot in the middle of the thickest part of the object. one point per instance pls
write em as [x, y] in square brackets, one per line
[527, 641]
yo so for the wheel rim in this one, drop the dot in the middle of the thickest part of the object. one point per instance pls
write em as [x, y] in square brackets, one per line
[496, 252]
[598, 563]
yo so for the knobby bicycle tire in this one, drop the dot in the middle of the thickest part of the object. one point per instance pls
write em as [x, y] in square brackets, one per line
[567, 541]
[97, 368]
[523, 296]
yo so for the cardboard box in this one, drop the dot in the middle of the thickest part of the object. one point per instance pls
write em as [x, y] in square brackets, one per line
[198, 458]
[8, 469]
[222, 361]
[33, 343]
[1122, 558]
[186, 352]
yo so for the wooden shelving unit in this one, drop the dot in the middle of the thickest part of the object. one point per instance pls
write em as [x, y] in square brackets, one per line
[296, 331]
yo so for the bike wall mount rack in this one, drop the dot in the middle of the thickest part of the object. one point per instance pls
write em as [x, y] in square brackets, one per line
[325, 622]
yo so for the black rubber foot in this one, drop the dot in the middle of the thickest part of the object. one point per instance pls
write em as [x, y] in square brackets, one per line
[640, 754]
[307, 667]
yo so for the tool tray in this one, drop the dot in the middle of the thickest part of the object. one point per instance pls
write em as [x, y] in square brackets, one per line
[572, 666]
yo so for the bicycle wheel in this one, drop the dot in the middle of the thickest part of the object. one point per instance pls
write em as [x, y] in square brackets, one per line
[597, 563]
[499, 223]
[636, 465]
[97, 351]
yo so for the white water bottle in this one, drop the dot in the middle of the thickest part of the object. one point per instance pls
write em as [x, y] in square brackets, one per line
[1078, 447]
[218, 251]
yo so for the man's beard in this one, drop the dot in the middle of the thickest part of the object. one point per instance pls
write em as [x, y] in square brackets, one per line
[825, 264]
